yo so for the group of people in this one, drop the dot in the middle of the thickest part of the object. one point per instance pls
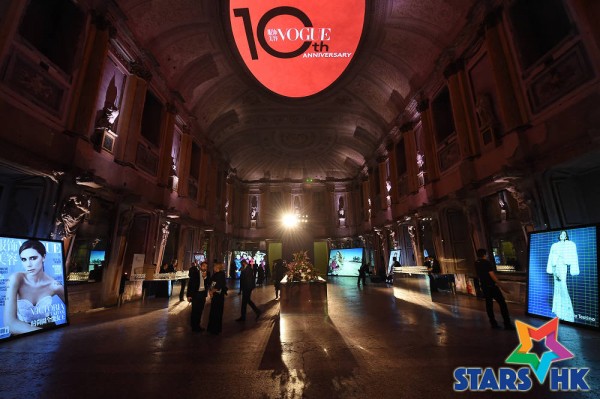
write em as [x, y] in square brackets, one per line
[202, 286]
[34, 289]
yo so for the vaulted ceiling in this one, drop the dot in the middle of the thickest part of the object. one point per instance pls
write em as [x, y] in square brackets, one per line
[332, 134]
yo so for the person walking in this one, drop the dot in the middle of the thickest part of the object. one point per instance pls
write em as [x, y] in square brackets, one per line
[490, 285]
[247, 284]
[196, 293]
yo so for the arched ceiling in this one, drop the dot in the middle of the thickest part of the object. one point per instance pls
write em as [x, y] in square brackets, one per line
[262, 135]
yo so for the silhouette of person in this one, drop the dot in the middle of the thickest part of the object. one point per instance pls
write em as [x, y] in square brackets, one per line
[247, 284]
[196, 293]
[279, 271]
[362, 274]
[217, 292]
[490, 285]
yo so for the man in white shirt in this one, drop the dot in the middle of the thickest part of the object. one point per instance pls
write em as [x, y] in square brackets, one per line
[196, 293]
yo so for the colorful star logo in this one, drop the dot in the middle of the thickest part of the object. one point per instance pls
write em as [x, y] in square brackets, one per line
[539, 365]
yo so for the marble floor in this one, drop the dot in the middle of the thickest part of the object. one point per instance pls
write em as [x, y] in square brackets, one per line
[377, 341]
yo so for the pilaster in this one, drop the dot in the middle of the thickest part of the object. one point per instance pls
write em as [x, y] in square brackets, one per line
[431, 164]
[130, 120]
[511, 101]
[393, 160]
[185, 158]
[85, 91]
[381, 164]
[462, 109]
[165, 162]
[410, 152]
[10, 23]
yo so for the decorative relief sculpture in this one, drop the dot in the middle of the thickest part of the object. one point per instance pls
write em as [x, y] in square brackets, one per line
[485, 111]
[253, 208]
[73, 212]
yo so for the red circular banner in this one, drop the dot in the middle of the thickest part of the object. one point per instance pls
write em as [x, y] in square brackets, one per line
[300, 50]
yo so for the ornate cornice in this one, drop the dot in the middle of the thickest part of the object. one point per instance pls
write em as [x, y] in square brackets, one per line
[140, 70]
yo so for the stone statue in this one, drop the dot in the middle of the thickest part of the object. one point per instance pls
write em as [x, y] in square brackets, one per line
[108, 117]
[73, 212]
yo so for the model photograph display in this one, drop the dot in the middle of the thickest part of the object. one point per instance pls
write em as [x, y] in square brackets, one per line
[562, 260]
[34, 290]
[563, 275]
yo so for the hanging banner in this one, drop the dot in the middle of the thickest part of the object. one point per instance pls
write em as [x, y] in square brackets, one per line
[297, 50]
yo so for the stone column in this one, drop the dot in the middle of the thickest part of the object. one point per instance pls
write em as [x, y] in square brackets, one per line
[589, 10]
[395, 193]
[203, 180]
[512, 103]
[431, 163]
[229, 201]
[381, 164]
[185, 158]
[410, 152]
[130, 120]
[462, 109]
[115, 269]
[85, 90]
[165, 162]
[10, 23]
[366, 199]
[213, 181]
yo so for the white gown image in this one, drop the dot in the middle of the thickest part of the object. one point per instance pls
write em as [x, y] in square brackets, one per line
[563, 255]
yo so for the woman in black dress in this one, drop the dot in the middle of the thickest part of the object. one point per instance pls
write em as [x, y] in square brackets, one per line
[218, 290]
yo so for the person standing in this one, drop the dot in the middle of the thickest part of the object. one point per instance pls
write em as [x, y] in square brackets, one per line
[247, 284]
[362, 274]
[183, 282]
[490, 285]
[196, 293]
[279, 271]
[218, 290]
[433, 269]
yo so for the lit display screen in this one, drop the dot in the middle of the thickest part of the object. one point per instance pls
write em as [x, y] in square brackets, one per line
[32, 286]
[563, 275]
[97, 257]
[251, 256]
[345, 262]
[393, 254]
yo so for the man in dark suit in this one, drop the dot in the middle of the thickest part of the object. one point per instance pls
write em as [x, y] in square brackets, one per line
[246, 286]
[196, 293]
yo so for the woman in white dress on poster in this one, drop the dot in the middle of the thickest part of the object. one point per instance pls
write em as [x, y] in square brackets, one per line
[563, 256]
[29, 305]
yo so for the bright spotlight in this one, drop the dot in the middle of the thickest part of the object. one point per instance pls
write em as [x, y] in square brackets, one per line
[289, 220]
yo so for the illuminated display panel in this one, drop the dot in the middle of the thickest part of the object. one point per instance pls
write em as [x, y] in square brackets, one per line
[251, 256]
[33, 295]
[395, 253]
[297, 51]
[345, 262]
[563, 275]
[96, 258]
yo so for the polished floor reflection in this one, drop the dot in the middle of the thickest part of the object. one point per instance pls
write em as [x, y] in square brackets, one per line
[376, 342]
